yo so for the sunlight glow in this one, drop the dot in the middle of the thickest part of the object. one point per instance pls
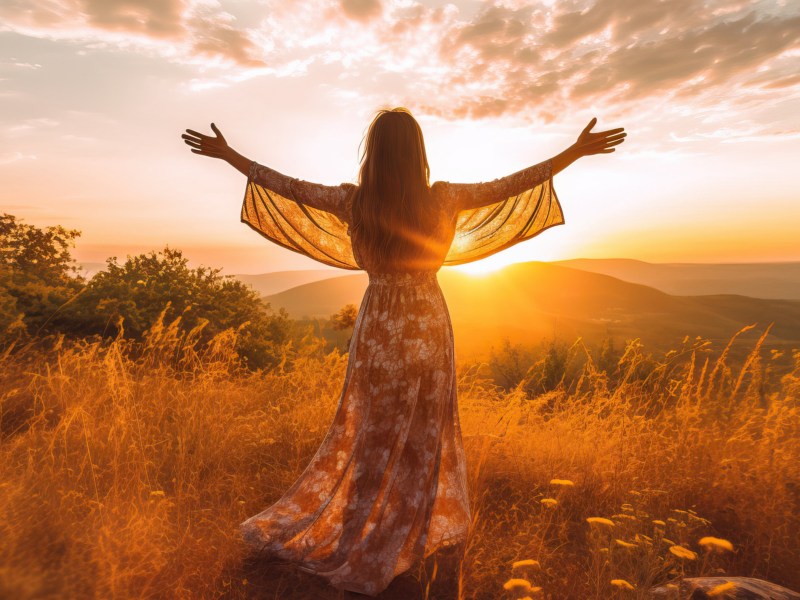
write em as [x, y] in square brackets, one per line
[488, 265]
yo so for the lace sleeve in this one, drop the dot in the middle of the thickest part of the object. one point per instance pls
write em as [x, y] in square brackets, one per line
[493, 216]
[304, 217]
[330, 198]
[467, 196]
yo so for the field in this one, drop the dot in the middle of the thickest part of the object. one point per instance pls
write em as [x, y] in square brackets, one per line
[126, 469]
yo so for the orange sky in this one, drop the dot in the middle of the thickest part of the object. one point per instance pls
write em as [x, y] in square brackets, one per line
[95, 95]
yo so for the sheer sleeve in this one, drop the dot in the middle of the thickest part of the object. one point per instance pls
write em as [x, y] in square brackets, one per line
[495, 215]
[308, 218]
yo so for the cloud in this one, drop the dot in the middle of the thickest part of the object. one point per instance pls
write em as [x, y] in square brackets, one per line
[361, 10]
[7, 158]
[155, 18]
[612, 51]
[529, 60]
[179, 30]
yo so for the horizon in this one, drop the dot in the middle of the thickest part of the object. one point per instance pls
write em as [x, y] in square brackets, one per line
[461, 268]
[95, 99]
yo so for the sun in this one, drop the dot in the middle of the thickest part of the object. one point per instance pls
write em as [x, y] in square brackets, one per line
[485, 266]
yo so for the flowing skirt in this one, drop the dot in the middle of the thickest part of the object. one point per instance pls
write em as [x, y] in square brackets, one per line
[388, 485]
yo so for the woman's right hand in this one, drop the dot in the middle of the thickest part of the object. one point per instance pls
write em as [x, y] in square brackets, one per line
[601, 142]
[215, 147]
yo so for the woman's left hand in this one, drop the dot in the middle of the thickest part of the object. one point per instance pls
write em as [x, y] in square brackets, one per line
[601, 142]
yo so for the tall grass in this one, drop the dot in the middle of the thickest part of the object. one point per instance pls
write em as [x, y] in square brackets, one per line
[126, 469]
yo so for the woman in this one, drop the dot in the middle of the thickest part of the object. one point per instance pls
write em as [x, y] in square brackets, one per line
[388, 485]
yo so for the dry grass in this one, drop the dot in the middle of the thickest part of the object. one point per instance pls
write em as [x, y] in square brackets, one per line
[126, 477]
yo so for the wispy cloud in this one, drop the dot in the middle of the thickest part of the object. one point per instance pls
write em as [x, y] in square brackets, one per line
[182, 30]
[535, 60]
[6, 158]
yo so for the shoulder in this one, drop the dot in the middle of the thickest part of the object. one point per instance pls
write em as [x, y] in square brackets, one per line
[444, 194]
[345, 203]
[441, 190]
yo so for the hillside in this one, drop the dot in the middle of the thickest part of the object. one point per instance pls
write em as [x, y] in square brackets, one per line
[529, 301]
[279, 281]
[760, 280]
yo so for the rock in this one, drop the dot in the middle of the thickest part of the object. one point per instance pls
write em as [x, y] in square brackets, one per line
[745, 588]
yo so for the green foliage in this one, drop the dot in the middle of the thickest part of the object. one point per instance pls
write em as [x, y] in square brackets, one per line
[127, 298]
[42, 292]
[549, 365]
[345, 318]
[37, 276]
[509, 365]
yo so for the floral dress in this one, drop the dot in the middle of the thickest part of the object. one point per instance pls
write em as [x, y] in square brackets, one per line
[388, 484]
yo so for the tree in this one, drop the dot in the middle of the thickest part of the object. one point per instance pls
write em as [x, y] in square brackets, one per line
[345, 318]
[139, 289]
[38, 276]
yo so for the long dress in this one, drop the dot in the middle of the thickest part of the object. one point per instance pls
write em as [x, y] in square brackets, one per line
[388, 484]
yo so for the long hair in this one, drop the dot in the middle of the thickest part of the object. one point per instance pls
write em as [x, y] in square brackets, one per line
[394, 219]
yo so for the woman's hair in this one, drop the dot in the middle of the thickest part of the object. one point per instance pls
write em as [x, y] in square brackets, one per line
[394, 219]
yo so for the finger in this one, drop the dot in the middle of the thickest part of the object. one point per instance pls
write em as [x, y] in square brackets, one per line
[215, 130]
[619, 136]
[603, 136]
[606, 140]
[595, 148]
[595, 145]
[193, 144]
[611, 131]
[198, 134]
[615, 142]
[191, 138]
[590, 125]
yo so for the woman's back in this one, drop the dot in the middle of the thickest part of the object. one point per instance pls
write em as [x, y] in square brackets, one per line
[427, 244]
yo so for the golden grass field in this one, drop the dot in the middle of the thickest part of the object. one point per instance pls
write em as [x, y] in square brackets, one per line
[126, 470]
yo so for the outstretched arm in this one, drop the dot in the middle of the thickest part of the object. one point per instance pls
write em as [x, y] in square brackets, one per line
[330, 198]
[475, 195]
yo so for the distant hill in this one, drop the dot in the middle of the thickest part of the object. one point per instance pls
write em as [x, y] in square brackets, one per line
[89, 269]
[279, 281]
[264, 283]
[759, 280]
[529, 301]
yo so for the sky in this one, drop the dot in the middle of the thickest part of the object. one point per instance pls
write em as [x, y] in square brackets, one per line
[95, 94]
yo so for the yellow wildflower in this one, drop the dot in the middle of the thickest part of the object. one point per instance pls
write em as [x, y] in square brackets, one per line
[526, 563]
[714, 543]
[682, 552]
[513, 584]
[564, 482]
[625, 544]
[549, 501]
[659, 522]
[622, 516]
[622, 584]
[600, 521]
